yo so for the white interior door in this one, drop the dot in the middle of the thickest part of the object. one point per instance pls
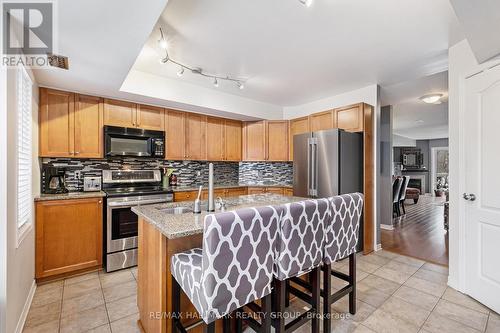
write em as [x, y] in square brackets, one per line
[482, 183]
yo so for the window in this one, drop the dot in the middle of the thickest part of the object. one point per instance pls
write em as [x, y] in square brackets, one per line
[24, 165]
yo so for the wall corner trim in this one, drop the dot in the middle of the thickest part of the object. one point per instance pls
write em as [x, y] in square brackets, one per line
[26, 308]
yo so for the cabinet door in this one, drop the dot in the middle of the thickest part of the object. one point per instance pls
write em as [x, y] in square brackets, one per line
[88, 126]
[254, 141]
[322, 121]
[185, 196]
[277, 140]
[150, 118]
[219, 192]
[215, 139]
[68, 236]
[297, 126]
[196, 127]
[288, 191]
[56, 126]
[232, 140]
[174, 135]
[119, 113]
[350, 118]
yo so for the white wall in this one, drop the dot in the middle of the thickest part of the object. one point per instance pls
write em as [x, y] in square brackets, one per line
[367, 95]
[3, 198]
[20, 257]
[461, 63]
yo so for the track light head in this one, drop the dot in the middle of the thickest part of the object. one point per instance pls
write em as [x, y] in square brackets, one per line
[306, 3]
[216, 83]
[240, 85]
[180, 72]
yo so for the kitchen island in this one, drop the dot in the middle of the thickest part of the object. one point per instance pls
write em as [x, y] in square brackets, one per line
[167, 229]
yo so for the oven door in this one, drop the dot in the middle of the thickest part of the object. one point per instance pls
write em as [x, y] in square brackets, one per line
[122, 223]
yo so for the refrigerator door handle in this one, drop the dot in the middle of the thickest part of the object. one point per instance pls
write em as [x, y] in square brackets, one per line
[314, 167]
[309, 169]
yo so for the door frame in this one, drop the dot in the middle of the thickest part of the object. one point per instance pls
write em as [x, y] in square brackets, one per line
[433, 166]
[457, 183]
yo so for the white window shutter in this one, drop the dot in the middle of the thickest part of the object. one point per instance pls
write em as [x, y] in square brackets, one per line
[24, 156]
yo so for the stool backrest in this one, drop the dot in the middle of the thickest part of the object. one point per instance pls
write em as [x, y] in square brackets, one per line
[238, 258]
[301, 237]
[396, 189]
[342, 230]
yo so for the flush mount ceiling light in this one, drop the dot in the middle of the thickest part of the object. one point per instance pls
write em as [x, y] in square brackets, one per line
[162, 43]
[432, 98]
[306, 3]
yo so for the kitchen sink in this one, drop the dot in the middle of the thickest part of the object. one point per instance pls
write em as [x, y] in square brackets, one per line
[176, 210]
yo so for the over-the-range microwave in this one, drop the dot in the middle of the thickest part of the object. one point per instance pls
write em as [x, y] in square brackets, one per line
[123, 141]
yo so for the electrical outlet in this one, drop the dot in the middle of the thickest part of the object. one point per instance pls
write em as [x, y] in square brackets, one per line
[78, 174]
[198, 173]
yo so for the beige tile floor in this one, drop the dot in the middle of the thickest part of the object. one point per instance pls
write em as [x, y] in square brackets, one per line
[395, 294]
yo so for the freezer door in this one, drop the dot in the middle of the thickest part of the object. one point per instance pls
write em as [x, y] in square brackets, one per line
[301, 165]
[326, 155]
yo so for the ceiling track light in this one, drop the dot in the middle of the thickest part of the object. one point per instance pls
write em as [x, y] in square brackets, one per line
[162, 43]
[306, 3]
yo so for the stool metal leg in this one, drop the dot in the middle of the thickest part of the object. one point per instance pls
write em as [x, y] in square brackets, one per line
[279, 321]
[239, 321]
[287, 292]
[315, 277]
[266, 310]
[226, 324]
[210, 328]
[352, 282]
[176, 304]
[327, 291]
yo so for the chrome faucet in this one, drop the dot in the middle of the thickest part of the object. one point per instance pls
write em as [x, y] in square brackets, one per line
[211, 201]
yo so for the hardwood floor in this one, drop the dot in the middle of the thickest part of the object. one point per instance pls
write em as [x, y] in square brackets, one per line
[420, 233]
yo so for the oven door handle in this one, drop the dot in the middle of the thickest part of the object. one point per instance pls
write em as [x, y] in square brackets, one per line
[136, 203]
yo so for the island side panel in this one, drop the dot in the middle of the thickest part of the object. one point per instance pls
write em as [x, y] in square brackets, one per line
[154, 291]
[152, 283]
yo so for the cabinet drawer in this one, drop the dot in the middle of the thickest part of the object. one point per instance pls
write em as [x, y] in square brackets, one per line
[234, 192]
[185, 196]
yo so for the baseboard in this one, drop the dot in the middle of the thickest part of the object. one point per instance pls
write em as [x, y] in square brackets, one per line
[26, 308]
[386, 226]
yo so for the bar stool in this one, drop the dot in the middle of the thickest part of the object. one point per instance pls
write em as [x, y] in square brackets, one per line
[233, 268]
[300, 251]
[341, 234]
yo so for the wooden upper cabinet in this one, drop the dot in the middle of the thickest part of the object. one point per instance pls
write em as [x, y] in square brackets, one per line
[322, 121]
[277, 140]
[66, 244]
[196, 129]
[56, 123]
[119, 113]
[254, 141]
[232, 140]
[88, 126]
[297, 126]
[150, 118]
[215, 139]
[174, 135]
[350, 118]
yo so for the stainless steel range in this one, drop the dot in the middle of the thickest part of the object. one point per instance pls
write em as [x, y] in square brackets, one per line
[124, 190]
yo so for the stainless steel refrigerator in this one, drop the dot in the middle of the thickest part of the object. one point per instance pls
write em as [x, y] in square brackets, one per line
[327, 163]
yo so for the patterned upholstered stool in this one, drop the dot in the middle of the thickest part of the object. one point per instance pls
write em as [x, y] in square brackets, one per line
[341, 235]
[234, 267]
[300, 251]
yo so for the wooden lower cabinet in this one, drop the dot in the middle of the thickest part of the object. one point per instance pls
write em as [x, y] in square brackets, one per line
[262, 190]
[185, 196]
[68, 236]
[288, 191]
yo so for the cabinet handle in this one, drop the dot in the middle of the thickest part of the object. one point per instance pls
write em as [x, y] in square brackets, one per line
[99, 202]
[77, 152]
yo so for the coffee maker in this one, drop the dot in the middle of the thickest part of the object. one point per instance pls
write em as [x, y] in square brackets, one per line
[53, 180]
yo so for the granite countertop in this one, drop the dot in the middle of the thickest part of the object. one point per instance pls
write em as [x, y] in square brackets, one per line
[182, 188]
[69, 195]
[186, 224]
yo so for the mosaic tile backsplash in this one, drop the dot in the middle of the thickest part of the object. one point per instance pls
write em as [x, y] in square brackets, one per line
[189, 173]
[262, 173]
